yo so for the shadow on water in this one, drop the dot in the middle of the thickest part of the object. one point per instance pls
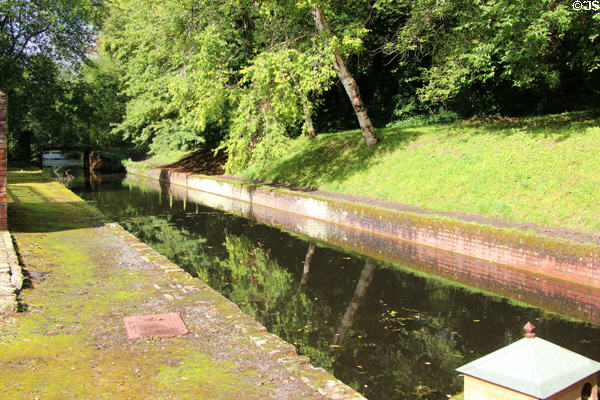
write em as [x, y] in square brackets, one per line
[388, 332]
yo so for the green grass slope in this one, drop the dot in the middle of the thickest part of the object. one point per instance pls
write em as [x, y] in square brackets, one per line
[543, 170]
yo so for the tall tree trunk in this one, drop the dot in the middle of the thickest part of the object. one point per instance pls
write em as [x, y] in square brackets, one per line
[349, 84]
[308, 121]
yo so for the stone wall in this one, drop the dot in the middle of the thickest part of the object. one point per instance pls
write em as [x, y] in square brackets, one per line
[11, 275]
[3, 143]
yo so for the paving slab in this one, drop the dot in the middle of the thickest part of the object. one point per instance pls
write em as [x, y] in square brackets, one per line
[83, 276]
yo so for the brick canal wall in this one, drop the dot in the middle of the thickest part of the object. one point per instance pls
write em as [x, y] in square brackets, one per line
[3, 144]
[548, 258]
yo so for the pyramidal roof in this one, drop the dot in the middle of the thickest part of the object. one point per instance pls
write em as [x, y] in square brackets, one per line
[532, 366]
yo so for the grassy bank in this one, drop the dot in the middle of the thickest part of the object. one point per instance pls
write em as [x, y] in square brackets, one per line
[543, 170]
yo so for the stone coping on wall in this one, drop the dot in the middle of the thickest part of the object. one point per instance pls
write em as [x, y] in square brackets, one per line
[11, 275]
[272, 345]
[574, 262]
[125, 277]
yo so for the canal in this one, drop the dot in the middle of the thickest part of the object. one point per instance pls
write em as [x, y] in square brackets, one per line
[386, 330]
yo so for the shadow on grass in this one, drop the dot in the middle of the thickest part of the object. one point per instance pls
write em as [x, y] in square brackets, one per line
[559, 127]
[32, 176]
[51, 217]
[336, 157]
[200, 162]
[32, 210]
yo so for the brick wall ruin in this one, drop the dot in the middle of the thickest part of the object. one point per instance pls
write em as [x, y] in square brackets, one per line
[3, 140]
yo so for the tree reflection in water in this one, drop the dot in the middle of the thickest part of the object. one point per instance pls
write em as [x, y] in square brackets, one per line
[421, 351]
[384, 331]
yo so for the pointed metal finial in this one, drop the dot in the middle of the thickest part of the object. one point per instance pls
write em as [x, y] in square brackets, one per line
[529, 327]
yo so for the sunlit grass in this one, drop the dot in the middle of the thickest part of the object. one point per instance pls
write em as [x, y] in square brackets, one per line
[168, 157]
[543, 170]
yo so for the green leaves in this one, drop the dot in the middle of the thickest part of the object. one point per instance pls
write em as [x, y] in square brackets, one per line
[180, 64]
[42, 45]
[60, 29]
[276, 95]
[192, 69]
[463, 45]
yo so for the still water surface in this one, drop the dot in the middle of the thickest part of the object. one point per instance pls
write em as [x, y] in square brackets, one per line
[385, 331]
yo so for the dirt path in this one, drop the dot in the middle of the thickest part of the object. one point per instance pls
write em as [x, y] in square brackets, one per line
[85, 276]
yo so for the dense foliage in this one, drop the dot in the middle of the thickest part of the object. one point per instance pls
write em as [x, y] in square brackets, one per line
[54, 99]
[246, 76]
[481, 55]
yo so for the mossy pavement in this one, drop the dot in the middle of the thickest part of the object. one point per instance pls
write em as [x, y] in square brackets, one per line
[85, 275]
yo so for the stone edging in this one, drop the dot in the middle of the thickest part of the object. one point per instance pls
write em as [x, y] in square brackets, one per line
[572, 262]
[11, 274]
[316, 378]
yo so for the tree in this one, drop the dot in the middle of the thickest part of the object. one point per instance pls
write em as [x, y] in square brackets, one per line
[249, 72]
[59, 29]
[41, 41]
[487, 48]
[181, 63]
[349, 83]
[273, 100]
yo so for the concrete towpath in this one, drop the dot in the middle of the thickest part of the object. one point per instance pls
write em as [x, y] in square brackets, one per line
[85, 275]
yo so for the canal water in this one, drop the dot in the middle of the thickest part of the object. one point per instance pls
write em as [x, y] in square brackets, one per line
[381, 328]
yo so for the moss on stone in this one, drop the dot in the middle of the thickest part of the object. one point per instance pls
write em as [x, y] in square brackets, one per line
[70, 341]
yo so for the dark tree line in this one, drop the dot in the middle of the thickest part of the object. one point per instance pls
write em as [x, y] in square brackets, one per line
[247, 76]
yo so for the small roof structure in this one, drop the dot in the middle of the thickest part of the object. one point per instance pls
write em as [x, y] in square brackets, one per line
[532, 366]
